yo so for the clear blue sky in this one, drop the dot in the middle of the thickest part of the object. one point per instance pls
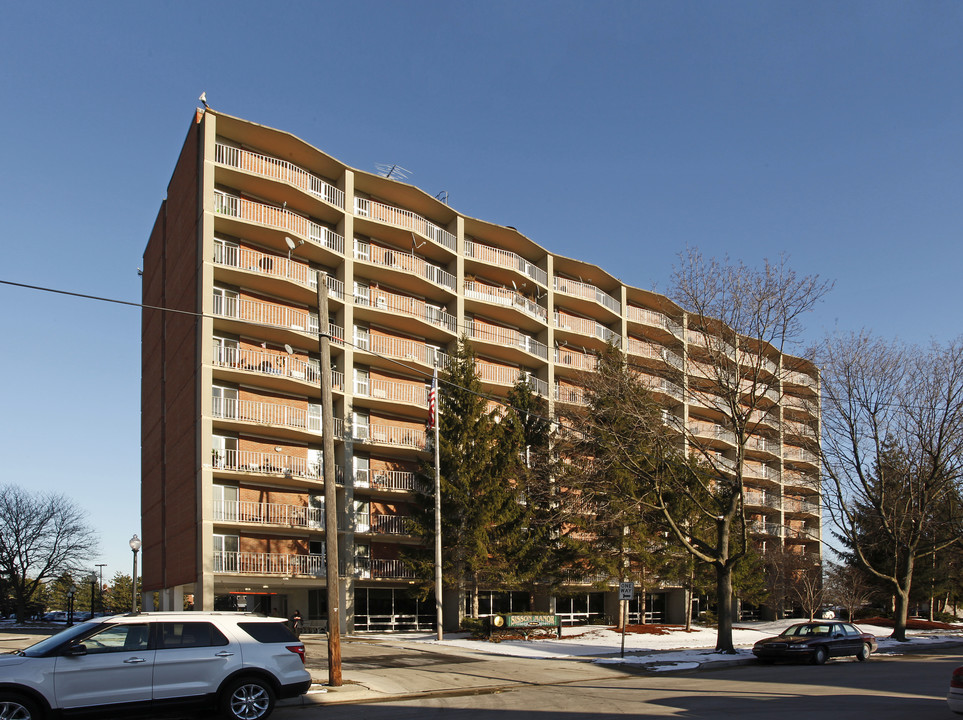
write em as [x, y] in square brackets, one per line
[616, 132]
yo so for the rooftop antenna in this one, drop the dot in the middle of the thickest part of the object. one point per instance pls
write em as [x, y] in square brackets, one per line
[443, 196]
[392, 171]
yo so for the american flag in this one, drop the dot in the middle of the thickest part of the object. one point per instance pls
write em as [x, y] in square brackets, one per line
[433, 403]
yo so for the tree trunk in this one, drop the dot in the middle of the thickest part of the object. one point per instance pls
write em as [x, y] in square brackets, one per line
[900, 616]
[724, 609]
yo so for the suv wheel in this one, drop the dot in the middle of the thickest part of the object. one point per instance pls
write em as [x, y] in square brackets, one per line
[248, 699]
[17, 707]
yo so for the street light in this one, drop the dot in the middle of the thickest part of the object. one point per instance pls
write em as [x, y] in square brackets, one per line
[70, 605]
[101, 566]
[135, 544]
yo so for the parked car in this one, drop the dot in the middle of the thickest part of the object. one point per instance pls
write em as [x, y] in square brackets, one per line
[954, 698]
[816, 642]
[238, 662]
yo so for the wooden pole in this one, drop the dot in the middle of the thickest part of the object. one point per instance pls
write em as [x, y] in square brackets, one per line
[330, 490]
[439, 614]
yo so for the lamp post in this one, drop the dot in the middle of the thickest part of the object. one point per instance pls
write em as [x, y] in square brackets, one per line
[100, 566]
[93, 586]
[70, 605]
[135, 544]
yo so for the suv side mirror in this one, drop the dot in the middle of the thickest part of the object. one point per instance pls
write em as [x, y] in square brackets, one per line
[76, 649]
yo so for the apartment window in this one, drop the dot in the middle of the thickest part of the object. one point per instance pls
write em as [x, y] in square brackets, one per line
[224, 402]
[316, 512]
[362, 381]
[362, 337]
[224, 452]
[226, 553]
[315, 462]
[362, 293]
[225, 302]
[361, 425]
[314, 416]
[226, 252]
[362, 560]
[362, 516]
[225, 502]
[362, 471]
[362, 249]
[225, 351]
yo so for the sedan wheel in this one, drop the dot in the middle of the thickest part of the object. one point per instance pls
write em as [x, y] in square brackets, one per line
[864, 652]
[248, 699]
[14, 707]
[820, 656]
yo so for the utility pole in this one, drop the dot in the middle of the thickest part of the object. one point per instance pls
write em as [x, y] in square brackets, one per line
[330, 490]
[436, 421]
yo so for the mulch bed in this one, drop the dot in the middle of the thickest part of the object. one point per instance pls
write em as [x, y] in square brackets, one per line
[911, 623]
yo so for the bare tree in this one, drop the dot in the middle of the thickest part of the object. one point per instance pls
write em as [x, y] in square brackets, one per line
[846, 586]
[893, 454]
[740, 322]
[42, 535]
[807, 587]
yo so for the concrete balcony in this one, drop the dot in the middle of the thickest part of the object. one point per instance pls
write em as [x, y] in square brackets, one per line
[382, 524]
[662, 386]
[505, 259]
[504, 297]
[409, 350]
[587, 327]
[803, 507]
[758, 471]
[274, 266]
[395, 435]
[250, 563]
[372, 568]
[391, 480]
[651, 351]
[712, 431]
[799, 379]
[405, 219]
[260, 513]
[275, 169]
[761, 499]
[567, 357]
[508, 376]
[653, 318]
[760, 444]
[800, 404]
[578, 289]
[278, 218]
[570, 395]
[276, 316]
[712, 344]
[271, 415]
[261, 463]
[793, 478]
[800, 455]
[395, 304]
[807, 534]
[405, 262]
[272, 365]
[392, 391]
[507, 337]
[765, 528]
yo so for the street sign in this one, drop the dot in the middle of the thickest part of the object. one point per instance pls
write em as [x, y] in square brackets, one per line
[626, 590]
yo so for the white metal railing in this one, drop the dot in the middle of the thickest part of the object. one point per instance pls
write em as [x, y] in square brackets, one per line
[661, 385]
[397, 435]
[589, 292]
[798, 479]
[413, 307]
[407, 350]
[760, 499]
[577, 360]
[280, 316]
[765, 528]
[376, 568]
[802, 404]
[759, 443]
[374, 210]
[280, 218]
[507, 337]
[711, 430]
[570, 395]
[759, 471]
[505, 258]
[408, 262]
[714, 344]
[585, 326]
[276, 169]
[508, 376]
[250, 563]
[653, 318]
[751, 360]
[654, 351]
[801, 455]
[278, 266]
[800, 506]
[268, 363]
[261, 513]
[400, 480]
[801, 533]
[389, 524]
[409, 393]
[261, 413]
[504, 297]
[794, 377]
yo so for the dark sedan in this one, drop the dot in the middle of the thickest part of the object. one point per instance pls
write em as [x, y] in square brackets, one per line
[816, 642]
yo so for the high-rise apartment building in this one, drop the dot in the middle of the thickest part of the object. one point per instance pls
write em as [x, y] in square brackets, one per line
[232, 489]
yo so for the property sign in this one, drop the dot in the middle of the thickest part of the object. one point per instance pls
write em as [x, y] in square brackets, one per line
[531, 620]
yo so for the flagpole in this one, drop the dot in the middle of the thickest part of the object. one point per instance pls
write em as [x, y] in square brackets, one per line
[439, 616]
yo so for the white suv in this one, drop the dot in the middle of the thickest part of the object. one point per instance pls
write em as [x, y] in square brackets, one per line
[239, 662]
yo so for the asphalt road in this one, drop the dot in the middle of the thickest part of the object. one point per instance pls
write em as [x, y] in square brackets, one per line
[910, 687]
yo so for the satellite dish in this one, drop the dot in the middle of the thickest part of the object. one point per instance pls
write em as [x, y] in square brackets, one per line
[288, 349]
[289, 242]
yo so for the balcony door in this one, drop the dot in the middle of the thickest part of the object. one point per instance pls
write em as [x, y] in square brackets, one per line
[226, 553]
[225, 503]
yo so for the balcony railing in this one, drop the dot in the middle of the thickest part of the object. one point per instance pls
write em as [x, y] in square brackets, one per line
[584, 326]
[365, 568]
[752, 360]
[802, 404]
[800, 506]
[408, 393]
[274, 265]
[405, 349]
[408, 262]
[589, 292]
[653, 318]
[576, 360]
[406, 219]
[794, 377]
[268, 363]
[505, 297]
[764, 528]
[655, 352]
[801, 455]
[760, 499]
[276, 169]
[713, 343]
[759, 443]
[570, 395]
[272, 414]
[759, 471]
[382, 524]
[250, 461]
[507, 337]
[661, 385]
[798, 479]
[397, 435]
[261, 513]
[280, 218]
[505, 258]
[280, 316]
[249, 563]
[711, 430]
[508, 376]
[400, 480]
[413, 307]
[801, 533]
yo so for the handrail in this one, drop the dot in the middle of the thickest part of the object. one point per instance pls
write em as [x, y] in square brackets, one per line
[276, 169]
